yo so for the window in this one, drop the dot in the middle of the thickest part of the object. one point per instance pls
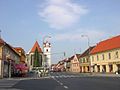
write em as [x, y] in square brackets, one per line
[83, 60]
[109, 55]
[116, 54]
[103, 57]
[46, 50]
[80, 60]
[32, 59]
[92, 58]
[87, 60]
[97, 58]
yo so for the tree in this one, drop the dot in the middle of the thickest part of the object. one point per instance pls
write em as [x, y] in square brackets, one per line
[36, 58]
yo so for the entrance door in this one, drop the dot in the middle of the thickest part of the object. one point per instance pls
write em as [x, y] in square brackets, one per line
[110, 68]
[98, 68]
[104, 68]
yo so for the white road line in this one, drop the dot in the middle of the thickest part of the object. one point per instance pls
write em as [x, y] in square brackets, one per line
[65, 87]
[61, 83]
[58, 81]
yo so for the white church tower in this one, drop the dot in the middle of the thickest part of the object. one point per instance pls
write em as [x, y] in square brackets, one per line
[47, 53]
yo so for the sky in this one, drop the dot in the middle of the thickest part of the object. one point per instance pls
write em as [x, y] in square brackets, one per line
[22, 22]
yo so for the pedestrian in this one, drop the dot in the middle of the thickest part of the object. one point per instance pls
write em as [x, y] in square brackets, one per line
[38, 74]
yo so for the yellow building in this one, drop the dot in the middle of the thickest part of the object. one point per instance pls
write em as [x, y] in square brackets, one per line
[84, 61]
[105, 57]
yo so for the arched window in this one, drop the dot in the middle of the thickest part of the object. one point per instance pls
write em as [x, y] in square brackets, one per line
[46, 50]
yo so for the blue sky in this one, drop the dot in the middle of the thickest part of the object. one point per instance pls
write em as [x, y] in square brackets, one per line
[24, 21]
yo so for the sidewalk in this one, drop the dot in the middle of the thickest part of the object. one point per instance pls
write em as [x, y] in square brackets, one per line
[95, 74]
[105, 75]
[27, 77]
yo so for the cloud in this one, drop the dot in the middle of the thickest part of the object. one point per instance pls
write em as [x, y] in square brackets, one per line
[75, 36]
[60, 14]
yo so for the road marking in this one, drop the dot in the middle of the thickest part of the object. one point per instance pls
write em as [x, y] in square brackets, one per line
[65, 87]
[61, 83]
[58, 81]
[65, 76]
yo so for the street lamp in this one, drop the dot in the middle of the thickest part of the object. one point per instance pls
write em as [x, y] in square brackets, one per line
[90, 62]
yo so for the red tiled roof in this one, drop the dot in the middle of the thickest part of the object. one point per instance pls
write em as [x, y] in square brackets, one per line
[18, 48]
[36, 45]
[108, 44]
[2, 42]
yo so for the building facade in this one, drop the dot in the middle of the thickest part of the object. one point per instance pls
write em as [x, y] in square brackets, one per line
[85, 61]
[105, 56]
[75, 65]
[8, 58]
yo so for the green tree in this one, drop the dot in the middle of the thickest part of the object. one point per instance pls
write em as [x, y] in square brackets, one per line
[36, 58]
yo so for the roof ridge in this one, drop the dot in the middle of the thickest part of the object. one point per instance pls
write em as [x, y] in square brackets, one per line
[107, 44]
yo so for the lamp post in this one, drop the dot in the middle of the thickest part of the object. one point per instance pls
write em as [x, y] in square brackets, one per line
[90, 62]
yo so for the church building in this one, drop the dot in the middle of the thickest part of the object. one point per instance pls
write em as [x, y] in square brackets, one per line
[35, 56]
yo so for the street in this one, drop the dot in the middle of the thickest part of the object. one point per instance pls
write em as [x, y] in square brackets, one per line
[62, 81]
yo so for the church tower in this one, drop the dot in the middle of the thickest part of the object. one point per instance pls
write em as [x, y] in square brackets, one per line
[47, 53]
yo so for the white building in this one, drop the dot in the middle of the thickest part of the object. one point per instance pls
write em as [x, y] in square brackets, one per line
[47, 53]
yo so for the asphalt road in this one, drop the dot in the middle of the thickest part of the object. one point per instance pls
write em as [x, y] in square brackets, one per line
[63, 81]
